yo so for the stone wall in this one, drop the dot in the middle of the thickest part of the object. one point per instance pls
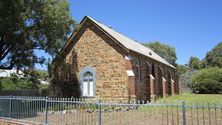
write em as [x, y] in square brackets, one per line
[162, 74]
[95, 49]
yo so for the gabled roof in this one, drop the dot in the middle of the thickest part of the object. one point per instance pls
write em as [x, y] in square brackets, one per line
[129, 43]
[121, 39]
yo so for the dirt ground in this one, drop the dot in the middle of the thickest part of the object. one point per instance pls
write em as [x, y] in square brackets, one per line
[16, 122]
[154, 116]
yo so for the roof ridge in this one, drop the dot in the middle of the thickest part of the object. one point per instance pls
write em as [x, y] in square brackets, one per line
[110, 28]
[130, 43]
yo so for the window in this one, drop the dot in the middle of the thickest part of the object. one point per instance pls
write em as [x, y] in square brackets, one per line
[136, 69]
[87, 84]
[153, 70]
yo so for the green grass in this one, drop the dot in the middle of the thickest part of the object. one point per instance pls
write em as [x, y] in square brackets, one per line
[196, 98]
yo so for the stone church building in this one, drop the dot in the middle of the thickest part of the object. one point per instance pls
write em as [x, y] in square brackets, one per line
[108, 64]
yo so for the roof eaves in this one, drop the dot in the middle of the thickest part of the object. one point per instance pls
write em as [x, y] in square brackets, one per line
[142, 53]
[110, 36]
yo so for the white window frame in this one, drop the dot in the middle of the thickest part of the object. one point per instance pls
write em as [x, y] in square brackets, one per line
[88, 79]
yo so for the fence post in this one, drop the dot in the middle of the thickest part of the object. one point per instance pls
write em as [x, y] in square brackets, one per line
[46, 110]
[10, 106]
[184, 112]
[99, 112]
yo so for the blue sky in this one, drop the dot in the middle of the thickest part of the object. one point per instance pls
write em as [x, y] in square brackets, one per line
[192, 27]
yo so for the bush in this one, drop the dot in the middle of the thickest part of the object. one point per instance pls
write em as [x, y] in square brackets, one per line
[43, 86]
[12, 83]
[207, 81]
[185, 81]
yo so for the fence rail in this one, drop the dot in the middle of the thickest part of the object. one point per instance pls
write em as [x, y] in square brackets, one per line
[70, 111]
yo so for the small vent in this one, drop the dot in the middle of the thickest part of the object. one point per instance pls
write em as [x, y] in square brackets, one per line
[150, 53]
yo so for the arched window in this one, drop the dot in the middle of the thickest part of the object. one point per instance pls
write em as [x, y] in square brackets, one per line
[153, 70]
[87, 79]
[136, 69]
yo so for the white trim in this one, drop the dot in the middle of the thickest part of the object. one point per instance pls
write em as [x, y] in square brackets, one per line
[130, 73]
[82, 72]
[128, 57]
[151, 76]
[163, 79]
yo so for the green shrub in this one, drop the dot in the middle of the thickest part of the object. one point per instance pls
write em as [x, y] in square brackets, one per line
[207, 81]
[43, 86]
[185, 81]
[12, 83]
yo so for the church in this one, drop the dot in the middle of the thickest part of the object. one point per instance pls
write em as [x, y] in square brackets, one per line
[110, 65]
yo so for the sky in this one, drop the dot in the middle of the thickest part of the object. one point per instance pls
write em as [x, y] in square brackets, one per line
[192, 27]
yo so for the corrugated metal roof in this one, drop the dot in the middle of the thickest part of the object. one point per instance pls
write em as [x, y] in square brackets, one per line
[131, 44]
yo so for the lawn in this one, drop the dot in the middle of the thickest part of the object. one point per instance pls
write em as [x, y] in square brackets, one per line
[196, 98]
[66, 113]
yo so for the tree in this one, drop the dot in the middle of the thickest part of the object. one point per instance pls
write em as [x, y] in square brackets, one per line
[214, 57]
[185, 81]
[13, 83]
[64, 81]
[194, 63]
[207, 81]
[182, 69]
[29, 26]
[165, 51]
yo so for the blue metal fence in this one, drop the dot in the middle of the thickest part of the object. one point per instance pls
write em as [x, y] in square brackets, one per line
[70, 111]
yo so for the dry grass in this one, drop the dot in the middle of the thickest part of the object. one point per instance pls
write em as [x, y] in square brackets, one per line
[85, 114]
[140, 116]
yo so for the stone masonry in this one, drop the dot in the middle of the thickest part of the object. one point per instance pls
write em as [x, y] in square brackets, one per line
[96, 49]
